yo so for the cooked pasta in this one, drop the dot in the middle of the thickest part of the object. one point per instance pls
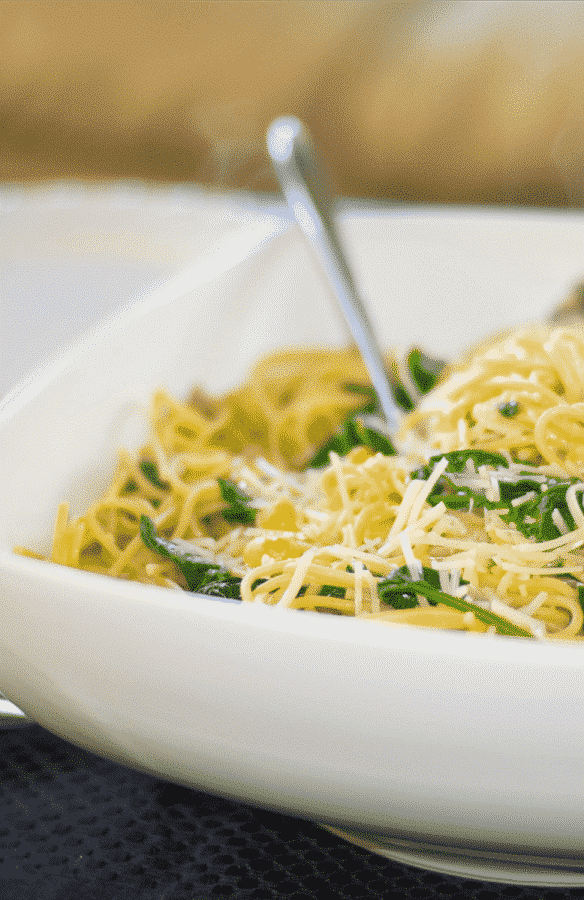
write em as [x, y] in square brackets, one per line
[478, 525]
[538, 371]
[290, 404]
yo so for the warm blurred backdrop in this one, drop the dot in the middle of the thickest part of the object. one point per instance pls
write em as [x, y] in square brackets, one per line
[468, 101]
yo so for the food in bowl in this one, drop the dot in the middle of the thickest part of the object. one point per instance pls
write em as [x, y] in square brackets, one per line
[477, 524]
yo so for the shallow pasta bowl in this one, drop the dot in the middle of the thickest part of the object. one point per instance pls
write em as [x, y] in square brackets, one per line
[453, 751]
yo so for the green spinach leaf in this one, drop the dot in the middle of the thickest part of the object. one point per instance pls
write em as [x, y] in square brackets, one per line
[201, 576]
[447, 491]
[331, 590]
[425, 370]
[400, 591]
[238, 509]
[150, 472]
[457, 460]
[534, 518]
[353, 434]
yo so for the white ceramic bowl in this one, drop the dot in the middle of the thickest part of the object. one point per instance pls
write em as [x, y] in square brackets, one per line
[447, 750]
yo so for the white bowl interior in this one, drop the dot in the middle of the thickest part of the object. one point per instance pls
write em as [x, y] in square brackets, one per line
[72, 254]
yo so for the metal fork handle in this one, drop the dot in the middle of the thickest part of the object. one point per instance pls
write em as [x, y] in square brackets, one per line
[305, 187]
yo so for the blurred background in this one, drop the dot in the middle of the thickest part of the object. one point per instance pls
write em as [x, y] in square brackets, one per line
[471, 101]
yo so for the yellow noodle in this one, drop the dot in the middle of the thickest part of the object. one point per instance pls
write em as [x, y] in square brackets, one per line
[348, 526]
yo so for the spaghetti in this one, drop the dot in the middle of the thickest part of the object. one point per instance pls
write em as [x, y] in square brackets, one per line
[479, 526]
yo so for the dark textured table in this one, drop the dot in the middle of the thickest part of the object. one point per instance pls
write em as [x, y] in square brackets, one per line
[74, 826]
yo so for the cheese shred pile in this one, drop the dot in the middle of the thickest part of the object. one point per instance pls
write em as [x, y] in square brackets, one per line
[356, 537]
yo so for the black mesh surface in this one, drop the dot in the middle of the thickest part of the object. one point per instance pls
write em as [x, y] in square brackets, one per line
[76, 827]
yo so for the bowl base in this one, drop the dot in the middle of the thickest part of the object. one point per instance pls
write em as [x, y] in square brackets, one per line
[508, 868]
